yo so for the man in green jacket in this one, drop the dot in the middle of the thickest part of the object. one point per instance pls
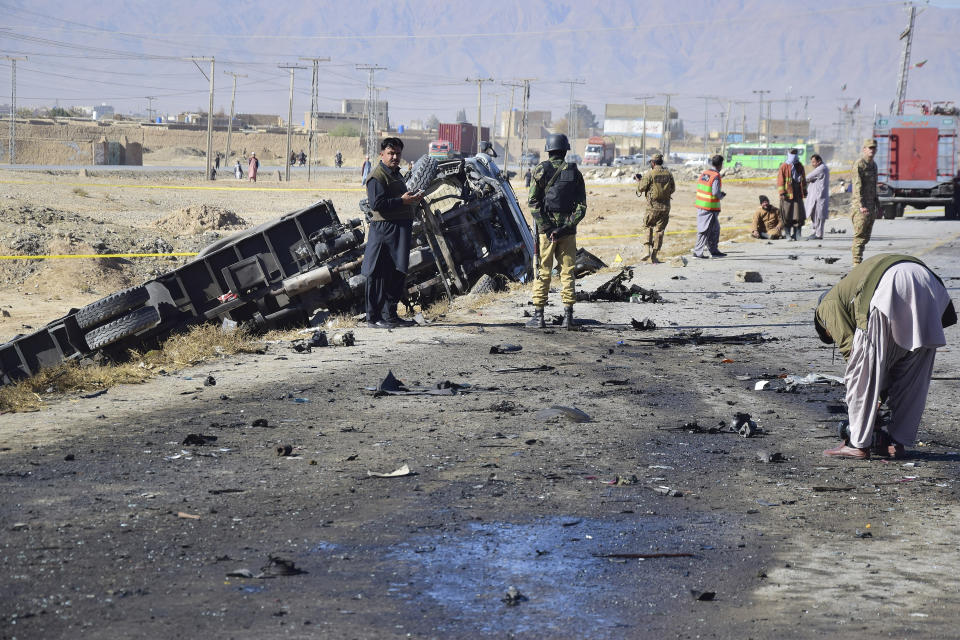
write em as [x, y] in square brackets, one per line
[887, 318]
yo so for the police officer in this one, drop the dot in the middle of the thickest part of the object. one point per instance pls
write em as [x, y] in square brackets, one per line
[864, 203]
[558, 202]
[387, 254]
[707, 201]
[658, 186]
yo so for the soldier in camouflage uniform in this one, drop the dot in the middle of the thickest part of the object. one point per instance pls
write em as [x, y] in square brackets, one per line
[865, 208]
[658, 186]
[558, 202]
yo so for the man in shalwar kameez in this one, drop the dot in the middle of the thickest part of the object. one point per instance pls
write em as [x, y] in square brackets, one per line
[817, 203]
[887, 318]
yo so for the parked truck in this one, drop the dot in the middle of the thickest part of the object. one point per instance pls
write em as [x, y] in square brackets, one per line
[917, 158]
[598, 152]
[282, 272]
[457, 140]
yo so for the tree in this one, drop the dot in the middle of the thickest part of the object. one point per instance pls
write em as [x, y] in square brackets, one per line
[432, 122]
[345, 131]
[585, 119]
[59, 112]
[462, 115]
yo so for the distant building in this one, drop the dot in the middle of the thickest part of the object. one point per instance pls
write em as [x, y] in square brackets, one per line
[538, 123]
[102, 111]
[784, 130]
[259, 120]
[353, 113]
[628, 120]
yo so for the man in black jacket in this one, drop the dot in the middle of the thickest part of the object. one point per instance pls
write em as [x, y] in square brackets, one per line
[387, 253]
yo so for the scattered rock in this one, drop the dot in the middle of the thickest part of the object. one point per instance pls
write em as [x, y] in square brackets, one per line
[513, 597]
[765, 457]
[557, 412]
[749, 276]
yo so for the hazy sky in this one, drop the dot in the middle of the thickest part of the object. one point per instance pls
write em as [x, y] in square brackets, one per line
[803, 54]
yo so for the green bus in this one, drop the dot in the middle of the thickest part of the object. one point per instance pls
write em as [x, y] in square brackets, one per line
[758, 155]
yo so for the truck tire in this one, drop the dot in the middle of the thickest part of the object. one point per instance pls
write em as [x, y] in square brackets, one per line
[888, 211]
[423, 172]
[110, 307]
[899, 209]
[951, 211]
[128, 325]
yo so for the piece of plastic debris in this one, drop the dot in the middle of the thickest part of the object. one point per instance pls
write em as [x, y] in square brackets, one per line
[761, 385]
[402, 471]
[513, 597]
[240, 573]
[187, 516]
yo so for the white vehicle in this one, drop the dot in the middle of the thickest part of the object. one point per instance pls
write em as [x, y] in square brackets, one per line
[620, 161]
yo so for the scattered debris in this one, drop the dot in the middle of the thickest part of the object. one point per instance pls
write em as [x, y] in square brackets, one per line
[743, 425]
[343, 339]
[667, 491]
[240, 573]
[749, 276]
[277, 566]
[543, 367]
[863, 534]
[832, 230]
[318, 339]
[643, 325]
[259, 422]
[703, 596]
[95, 394]
[830, 260]
[391, 383]
[556, 412]
[19, 526]
[505, 348]
[504, 406]
[765, 457]
[615, 383]
[398, 473]
[513, 597]
[696, 337]
[614, 290]
[284, 450]
[829, 488]
[623, 481]
[209, 381]
[587, 263]
[187, 516]
[69, 457]
[198, 439]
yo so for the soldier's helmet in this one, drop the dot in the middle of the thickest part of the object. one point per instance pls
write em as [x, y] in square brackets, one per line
[557, 142]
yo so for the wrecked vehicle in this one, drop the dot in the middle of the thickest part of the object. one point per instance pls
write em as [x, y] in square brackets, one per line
[281, 273]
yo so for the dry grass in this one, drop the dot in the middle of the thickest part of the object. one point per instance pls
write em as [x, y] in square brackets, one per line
[201, 343]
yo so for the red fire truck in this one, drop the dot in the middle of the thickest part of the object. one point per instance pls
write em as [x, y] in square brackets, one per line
[917, 158]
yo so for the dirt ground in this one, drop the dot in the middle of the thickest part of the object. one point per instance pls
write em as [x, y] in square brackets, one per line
[112, 527]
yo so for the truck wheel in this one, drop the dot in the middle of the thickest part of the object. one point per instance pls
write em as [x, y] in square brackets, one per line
[889, 211]
[423, 172]
[128, 325]
[898, 212]
[951, 211]
[110, 307]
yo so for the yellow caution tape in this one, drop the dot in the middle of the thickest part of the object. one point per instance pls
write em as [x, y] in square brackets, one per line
[97, 255]
[641, 235]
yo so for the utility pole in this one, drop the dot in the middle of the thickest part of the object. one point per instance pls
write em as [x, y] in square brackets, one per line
[209, 174]
[13, 106]
[760, 92]
[666, 127]
[479, 82]
[233, 99]
[806, 104]
[573, 119]
[726, 129]
[493, 124]
[510, 125]
[786, 104]
[907, 36]
[743, 112]
[150, 100]
[523, 130]
[314, 98]
[286, 158]
[706, 122]
[371, 109]
[643, 132]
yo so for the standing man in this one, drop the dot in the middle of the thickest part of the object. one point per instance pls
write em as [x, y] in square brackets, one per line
[766, 221]
[387, 254]
[887, 318]
[707, 203]
[658, 186]
[252, 166]
[365, 170]
[558, 202]
[792, 185]
[818, 196]
[865, 208]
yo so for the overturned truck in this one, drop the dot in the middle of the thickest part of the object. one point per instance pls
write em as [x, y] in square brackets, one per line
[282, 272]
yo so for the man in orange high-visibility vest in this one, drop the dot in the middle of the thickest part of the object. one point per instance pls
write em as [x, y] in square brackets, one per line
[707, 203]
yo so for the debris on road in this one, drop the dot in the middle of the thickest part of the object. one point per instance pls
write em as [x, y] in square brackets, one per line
[614, 290]
[642, 556]
[643, 325]
[766, 457]
[277, 566]
[587, 263]
[513, 597]
[284, 450]
[667, 491]
[703, 596]
[749, 276]
[198, 439]
[505, 348]
[398, 473]
[187, 516]
[696, 337]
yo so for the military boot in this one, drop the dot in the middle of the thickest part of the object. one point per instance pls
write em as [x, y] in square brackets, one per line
[537, 321]
[568, 322]
[650, 253]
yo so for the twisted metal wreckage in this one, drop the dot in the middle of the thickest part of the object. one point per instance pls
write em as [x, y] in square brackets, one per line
[284, 271]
